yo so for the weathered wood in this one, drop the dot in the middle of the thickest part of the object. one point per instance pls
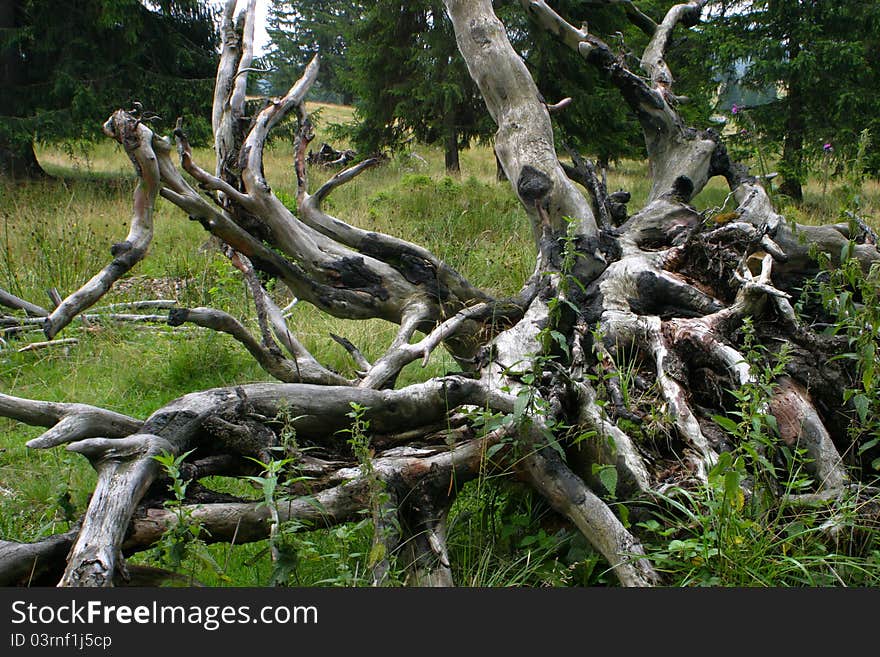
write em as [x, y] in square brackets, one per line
[524, 139]
[126, 468]
[34, 564]
[681, 158]
[67, 422]
[47, 344]
[800, 426]
[568, 494]
[137, 139]
[11, 301]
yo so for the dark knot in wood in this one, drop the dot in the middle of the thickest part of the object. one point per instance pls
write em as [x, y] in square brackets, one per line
[178, 316]
[533, 185]
[120, 247]
[682, 189]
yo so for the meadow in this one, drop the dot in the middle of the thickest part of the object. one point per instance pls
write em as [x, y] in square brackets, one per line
[56, 233]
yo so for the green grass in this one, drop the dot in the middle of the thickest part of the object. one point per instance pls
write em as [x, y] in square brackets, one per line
[57, 233]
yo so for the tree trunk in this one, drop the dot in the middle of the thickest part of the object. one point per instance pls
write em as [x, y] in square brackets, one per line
[793, 152]
[792, 163]
[18, 161]
[451, 148]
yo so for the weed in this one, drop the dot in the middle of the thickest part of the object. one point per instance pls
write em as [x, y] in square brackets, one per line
[734, 531]
[183, 538]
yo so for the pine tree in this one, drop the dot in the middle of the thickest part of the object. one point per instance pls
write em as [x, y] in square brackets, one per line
[65, 65]
[300, 30]
[410, 81]
[822, 57]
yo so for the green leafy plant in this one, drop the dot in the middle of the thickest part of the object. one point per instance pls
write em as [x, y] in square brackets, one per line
[850, 297]
[183, 537]
[732, 531]
[380, 512]
[499, 536]
[755, 429]
[283, 561]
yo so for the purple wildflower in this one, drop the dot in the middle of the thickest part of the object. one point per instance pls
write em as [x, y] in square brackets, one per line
[827, 147]
[734, 108]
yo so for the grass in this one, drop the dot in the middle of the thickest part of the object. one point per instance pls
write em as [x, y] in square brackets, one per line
[57, 233]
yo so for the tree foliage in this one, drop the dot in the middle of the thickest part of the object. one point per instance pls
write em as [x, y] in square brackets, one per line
[409, 80]
[66, 64]
[300, 30]
[396, 62]
[822, 57]
[399, 65]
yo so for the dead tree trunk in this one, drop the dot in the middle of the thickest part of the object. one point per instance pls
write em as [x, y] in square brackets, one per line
[669, 289]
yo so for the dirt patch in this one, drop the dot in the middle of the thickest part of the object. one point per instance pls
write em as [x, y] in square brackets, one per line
[145, 287]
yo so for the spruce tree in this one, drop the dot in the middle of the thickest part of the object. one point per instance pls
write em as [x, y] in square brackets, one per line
[65, 65]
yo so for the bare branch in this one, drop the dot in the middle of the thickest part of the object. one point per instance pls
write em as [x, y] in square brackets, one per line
[228, 107]
[524, 140]
[415, 263]
[343, 177]
[642, 21]
[584, 173]
[68, 422]
[356, 354]
[34, 564]
[268, 118]
[269, 315]
[654, 56]
[259, 296]
[34, 346]
[237, 99]
[270, 359]
[136, 138]
[635, 15]
[11, 301]
[401, 353]
[612, 445]
[681, 160]
[569, 496]
[205, 179]
[677, 397]
[126, 468]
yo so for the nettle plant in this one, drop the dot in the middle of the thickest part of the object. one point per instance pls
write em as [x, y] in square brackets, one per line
[183, 542]
[849, 296]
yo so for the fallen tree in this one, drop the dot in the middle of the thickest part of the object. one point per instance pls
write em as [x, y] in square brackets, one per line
[681, 295]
